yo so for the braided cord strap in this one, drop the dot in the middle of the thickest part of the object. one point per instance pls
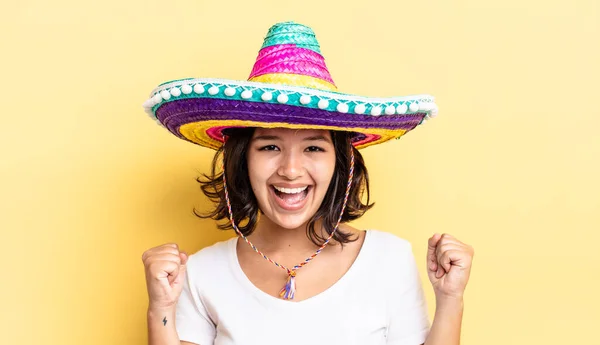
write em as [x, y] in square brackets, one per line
[289, 290]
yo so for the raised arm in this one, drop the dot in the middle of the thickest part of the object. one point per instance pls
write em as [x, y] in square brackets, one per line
[165, 268]
[448, 267]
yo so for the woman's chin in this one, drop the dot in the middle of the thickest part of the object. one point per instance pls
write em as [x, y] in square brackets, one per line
[291, 224]
[289, 221]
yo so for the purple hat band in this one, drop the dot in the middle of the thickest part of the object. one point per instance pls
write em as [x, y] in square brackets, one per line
[174, 114]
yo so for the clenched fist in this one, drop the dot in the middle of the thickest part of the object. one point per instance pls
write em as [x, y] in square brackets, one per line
[165, 274]
[449, 265]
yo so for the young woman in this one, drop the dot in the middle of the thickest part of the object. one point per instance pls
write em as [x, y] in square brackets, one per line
[288, 177]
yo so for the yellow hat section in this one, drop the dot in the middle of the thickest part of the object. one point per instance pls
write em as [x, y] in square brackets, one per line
[196, 131]
[295, 80]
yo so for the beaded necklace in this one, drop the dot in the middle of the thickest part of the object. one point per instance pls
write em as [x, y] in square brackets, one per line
[289, 289]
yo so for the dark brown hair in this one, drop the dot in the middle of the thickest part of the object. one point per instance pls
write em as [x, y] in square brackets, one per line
[243, 202]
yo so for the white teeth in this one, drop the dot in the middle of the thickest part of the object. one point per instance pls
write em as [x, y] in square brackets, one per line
[290, 190]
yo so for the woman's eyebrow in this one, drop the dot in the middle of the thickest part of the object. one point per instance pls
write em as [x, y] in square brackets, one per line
[317, 138]
[266, 137]
[311, 138]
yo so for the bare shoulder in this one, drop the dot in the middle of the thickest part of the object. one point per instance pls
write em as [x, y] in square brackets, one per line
[188, 343]
[357, 236]
[352, 231]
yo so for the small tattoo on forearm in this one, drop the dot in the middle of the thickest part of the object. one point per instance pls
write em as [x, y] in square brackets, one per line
[165, 321]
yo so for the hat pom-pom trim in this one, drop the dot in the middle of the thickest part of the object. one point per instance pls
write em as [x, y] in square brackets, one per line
[291, 95]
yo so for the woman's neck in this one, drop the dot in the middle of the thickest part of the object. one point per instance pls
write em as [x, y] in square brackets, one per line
[274, 238]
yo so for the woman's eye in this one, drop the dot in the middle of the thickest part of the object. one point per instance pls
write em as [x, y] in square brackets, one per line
[314, 149]
[269, 148]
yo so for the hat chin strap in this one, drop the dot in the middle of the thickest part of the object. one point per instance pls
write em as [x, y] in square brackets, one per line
[289, 290]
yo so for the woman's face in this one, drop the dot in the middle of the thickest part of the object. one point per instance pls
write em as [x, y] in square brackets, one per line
[290, 171]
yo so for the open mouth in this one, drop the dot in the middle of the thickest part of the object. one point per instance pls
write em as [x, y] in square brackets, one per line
[291, 196]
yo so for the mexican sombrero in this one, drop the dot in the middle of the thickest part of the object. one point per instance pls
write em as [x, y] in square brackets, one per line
[290, 87]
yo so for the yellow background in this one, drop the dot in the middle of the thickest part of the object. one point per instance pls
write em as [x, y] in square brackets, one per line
[510, 165]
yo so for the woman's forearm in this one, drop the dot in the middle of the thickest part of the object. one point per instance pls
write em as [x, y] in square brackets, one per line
[447, 321]
[161, 327]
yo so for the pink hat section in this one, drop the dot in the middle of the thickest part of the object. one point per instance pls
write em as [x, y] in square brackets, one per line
[368, 138]
[288, 58]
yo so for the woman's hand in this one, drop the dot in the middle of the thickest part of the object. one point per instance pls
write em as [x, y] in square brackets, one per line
[165, 272]
[448, 265]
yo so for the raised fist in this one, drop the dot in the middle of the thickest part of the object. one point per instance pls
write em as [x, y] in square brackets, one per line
[165, 274]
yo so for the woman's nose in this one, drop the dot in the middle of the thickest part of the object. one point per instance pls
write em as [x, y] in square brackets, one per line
[291, 166]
